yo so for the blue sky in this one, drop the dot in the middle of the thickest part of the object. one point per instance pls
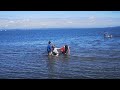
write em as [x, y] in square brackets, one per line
[59, 19]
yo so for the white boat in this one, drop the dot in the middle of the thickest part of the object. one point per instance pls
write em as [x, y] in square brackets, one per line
[106, 35]
[109, 36]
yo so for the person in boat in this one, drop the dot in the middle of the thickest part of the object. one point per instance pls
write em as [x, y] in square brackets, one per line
[49, 48]
[105, 34]
[55, 51]
[65, 50]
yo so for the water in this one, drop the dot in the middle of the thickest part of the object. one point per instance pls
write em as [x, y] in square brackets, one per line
[23, 54]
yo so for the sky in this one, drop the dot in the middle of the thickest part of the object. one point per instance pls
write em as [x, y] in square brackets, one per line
[58, 19]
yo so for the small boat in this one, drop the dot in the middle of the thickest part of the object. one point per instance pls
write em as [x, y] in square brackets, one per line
[106, 35]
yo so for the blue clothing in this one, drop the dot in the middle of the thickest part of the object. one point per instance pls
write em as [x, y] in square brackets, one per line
[49, 48]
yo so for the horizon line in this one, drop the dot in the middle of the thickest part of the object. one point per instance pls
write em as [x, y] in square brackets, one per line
[59, 28]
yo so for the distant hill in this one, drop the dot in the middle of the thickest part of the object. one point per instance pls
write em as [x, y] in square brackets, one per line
[111, 28]
[115, 27]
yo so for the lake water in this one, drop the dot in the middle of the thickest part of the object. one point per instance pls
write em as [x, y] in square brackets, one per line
[23, 54]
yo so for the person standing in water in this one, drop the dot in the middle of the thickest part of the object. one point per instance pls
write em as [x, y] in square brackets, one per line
[49, 48]
[65, 50]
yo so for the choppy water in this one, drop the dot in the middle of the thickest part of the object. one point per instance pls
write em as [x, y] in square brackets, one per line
[23, 54]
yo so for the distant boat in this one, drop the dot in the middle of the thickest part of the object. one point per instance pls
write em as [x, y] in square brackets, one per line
[109, 36]
[106, 35]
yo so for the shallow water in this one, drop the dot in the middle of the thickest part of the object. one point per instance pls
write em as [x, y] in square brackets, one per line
[23, 54]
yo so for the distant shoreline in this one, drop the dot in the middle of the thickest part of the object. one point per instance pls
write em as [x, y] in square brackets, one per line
[56, 28]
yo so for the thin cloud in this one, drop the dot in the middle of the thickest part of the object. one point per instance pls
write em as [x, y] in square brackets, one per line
[90, 21]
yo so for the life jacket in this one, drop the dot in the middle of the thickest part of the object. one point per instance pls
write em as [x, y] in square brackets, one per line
[62, 49]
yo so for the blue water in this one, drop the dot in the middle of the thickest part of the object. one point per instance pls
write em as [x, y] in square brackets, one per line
[23, 54]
